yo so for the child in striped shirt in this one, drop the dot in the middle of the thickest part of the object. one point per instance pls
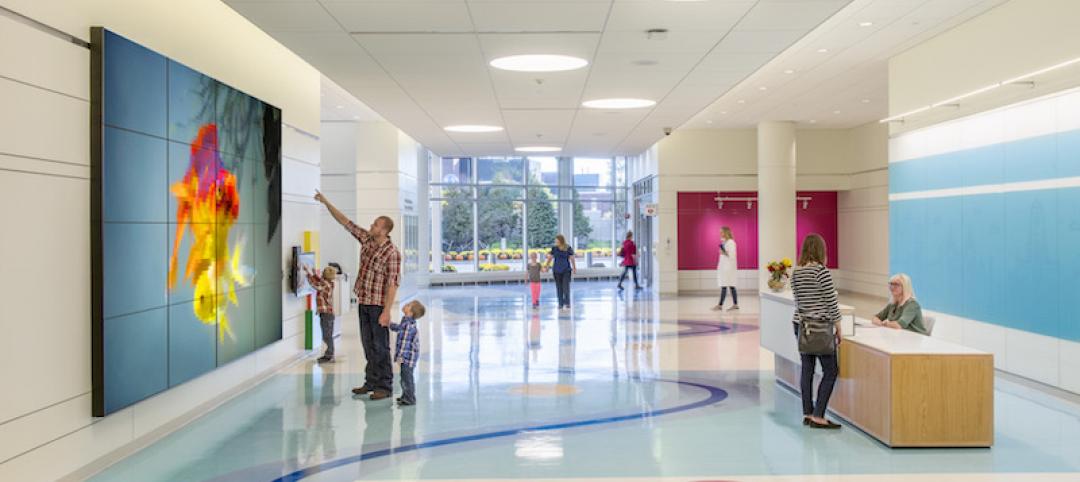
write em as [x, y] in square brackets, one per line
[408, 349]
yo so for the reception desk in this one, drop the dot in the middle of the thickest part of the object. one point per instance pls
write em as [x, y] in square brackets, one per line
[903, 388]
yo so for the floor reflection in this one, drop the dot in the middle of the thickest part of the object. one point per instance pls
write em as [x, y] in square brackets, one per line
[624, 385]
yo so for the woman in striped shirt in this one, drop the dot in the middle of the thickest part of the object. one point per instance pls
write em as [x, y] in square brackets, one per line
[817, 308]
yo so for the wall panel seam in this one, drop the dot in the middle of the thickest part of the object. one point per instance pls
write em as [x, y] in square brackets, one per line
[51, 405]
[46, 89]
[23, 171]
[36, 447]
[301, 161]
[49, 29]
[43, 159]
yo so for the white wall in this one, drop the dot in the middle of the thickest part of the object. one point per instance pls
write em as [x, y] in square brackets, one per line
[851, 161]
[1013, 39]
[46, 430]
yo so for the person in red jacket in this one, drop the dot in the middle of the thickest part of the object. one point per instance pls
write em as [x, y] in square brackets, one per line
[628, 251]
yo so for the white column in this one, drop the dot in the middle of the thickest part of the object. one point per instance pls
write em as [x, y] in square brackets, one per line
[776, 194]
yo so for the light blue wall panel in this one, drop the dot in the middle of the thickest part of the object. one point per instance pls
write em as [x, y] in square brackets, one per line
[982, 240]
[907, 176]
[1068, 237]
[1031, 159]
[1029, 252]
[939, 282]
[907, 225]
[984, 165]
[1068, 154]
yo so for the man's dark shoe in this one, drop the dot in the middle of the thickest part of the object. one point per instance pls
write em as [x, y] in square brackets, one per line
[361, 390]
[380, 394]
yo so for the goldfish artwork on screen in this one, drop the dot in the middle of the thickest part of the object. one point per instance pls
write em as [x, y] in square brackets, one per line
[208, 206]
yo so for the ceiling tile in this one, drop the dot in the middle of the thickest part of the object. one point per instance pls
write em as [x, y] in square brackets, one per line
[497, 45]
[538, 16]
[287, 16]
[642, 16]
[393, 16]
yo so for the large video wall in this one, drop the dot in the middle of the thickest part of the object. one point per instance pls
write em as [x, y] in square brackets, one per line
[186, 214]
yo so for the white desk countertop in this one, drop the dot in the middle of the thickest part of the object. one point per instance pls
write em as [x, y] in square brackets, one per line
[903, 342]
[788, 297]
[777, 337]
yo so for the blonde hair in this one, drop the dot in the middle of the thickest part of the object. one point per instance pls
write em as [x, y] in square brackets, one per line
[906, 291]
[560, 242]
[813, 250]
[329, 273]
[417, 308]
[725, 232]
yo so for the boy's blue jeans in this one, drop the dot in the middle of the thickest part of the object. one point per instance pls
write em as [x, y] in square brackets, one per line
[408, 385]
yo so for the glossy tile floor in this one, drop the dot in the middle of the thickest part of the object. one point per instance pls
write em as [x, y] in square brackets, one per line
[624, 387]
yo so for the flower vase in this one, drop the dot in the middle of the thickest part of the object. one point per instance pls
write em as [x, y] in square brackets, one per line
[777, 285]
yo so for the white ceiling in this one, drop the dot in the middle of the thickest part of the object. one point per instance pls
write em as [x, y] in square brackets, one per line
[848, 85]
[339, 105]
[423, 64]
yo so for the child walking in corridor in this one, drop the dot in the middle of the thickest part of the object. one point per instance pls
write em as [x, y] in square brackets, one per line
[408, 349]
[533, 275]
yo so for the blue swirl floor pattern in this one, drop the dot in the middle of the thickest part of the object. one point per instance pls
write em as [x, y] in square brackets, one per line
[716, 395]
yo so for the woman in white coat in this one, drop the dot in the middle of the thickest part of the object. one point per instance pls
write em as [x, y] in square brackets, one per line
[727, 269]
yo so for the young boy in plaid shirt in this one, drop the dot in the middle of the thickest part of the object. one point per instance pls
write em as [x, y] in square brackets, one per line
[408, 349]
[324, 285]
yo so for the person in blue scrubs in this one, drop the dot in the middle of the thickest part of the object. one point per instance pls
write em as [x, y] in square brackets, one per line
[563, 268]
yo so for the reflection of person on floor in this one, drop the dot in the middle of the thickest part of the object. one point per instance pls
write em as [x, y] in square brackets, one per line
[324, 287]
[324, 418]
[408, 349]
[377, 281]
[534, 334]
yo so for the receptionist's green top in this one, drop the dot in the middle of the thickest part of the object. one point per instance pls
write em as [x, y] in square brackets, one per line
[908, 315]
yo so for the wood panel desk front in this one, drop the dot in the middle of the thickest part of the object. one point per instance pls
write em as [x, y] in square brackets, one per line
[903, 388]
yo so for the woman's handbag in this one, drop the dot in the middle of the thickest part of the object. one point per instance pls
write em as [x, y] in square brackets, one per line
[817, 337]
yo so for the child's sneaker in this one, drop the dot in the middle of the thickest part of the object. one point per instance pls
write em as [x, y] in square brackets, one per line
[325, 359]
[404, 403]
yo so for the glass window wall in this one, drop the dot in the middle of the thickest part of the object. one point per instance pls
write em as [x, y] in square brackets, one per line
[489, 213]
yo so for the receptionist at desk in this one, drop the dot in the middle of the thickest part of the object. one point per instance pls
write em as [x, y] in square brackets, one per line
[903, 312]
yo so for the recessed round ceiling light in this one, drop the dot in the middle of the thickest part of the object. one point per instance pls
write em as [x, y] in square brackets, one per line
[473, 128]
[763, 88]
[740, 101]
[538, 149]
[835, 112]
[708, 121]
[866, 101]
[618, 103]
[866, 24]
[789, 71]
[539, 63]
[724, 112]
[812, 121]
[822, 51]
[340, 107]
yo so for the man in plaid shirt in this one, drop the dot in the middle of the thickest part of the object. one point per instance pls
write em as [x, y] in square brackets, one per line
[375, 289]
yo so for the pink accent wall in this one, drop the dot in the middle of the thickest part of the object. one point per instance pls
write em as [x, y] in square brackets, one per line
[700, 221]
